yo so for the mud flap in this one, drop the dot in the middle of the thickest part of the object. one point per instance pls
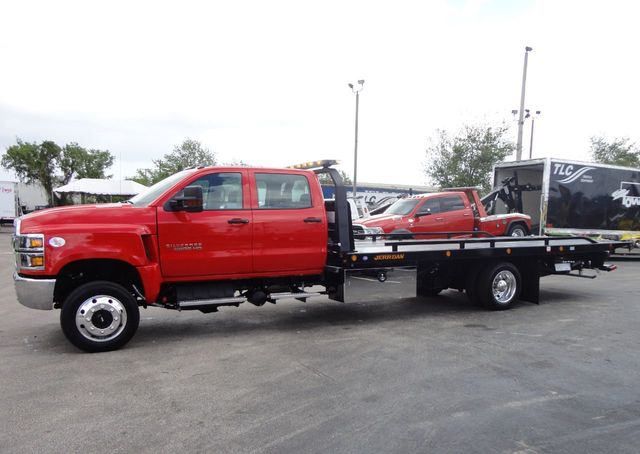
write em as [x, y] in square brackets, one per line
[530, 286]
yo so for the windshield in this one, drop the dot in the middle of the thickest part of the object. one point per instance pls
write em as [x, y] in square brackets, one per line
[402, 207]
[150, 194]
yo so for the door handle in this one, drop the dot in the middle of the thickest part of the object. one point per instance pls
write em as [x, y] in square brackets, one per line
[312, 220]
[439, 219]
[238, 221]
[466, 214]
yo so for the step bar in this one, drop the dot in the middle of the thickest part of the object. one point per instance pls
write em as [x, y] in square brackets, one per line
[213, 302]
[235, 300]
[300, 296]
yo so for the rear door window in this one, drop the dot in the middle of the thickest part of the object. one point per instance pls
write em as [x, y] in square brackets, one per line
[282, 191]
[451, 203]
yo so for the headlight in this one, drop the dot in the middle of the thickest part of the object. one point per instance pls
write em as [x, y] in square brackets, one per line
[29, 242]
[29, 250]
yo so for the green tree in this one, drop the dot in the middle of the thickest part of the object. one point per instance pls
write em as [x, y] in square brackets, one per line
[467, 158]
[189, 153]
[619, 152]
[78, 162]
[326, 179]
[237, 163]
[51, 165]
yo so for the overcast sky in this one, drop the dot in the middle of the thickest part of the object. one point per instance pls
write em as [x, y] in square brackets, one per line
[266, 81]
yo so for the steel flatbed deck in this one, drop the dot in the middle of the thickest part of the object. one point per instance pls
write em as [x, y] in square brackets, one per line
[370, 251]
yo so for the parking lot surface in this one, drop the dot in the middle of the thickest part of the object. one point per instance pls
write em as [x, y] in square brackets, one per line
[432, 375]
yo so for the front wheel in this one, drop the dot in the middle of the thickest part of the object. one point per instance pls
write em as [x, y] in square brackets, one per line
[402, 234]
[99, 316]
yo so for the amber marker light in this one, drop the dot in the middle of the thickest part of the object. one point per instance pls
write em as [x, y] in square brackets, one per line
[448, 253]
[508, 250]
[35, 243]
[354, 258]
[37, 261]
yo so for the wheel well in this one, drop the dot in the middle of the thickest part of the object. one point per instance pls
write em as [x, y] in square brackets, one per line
[521, 223]
[74, 274]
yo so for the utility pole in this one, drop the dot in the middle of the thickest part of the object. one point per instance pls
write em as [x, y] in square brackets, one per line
[356, 89]
[533, 123]
[521, 113]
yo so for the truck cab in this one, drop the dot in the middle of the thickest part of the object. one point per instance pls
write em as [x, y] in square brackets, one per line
[251, 222]
[210, 234]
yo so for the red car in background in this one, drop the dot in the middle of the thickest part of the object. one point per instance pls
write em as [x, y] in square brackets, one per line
[454, 210]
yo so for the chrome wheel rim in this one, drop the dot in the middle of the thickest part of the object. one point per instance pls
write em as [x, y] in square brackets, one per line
[101, 318]
[517, 232]
[504, 286]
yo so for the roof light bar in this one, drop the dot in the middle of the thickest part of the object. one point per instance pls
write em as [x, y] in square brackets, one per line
[324, 163]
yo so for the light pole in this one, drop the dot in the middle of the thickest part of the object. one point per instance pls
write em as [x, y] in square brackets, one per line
[356, 89]
[521, 117]
[533, 123]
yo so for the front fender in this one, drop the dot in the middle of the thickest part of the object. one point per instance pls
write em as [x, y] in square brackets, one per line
[117, 242]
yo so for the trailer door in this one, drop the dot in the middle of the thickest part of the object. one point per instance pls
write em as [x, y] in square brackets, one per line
[522, 193]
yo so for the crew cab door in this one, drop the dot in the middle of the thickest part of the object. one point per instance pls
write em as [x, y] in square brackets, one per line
[457, 213]
[427, 218]
[215, 241]
[289, 222]
[445, 213]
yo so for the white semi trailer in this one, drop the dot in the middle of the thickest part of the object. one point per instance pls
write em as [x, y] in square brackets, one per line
[9, 208]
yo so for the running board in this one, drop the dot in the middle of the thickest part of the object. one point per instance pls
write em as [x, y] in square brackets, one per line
[236, 300]
[300, 296]
[212, 302]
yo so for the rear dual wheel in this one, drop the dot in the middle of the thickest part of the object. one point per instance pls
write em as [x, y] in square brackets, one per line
[517, 230]
[496, 287]
[99, 316]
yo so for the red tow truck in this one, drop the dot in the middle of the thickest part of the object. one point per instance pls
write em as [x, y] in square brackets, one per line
[211, 237]
[440, 213]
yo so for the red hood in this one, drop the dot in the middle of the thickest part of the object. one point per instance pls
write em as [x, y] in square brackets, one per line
[102, 215]
[380, 220]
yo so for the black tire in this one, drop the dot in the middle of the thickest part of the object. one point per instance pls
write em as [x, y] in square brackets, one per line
[403, 234]
[517, 230]
[108, 307]
[499, 286]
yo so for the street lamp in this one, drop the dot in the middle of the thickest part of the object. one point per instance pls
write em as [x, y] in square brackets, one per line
[356, 90]
[521, 118]
[533, 123]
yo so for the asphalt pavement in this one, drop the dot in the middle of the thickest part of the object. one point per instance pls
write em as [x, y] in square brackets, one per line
[426, 375]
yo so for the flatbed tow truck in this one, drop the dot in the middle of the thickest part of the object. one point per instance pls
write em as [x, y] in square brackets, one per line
[211, 237]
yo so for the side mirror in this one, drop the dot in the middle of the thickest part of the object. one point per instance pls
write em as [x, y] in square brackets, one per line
[426, 213]
[190, 201]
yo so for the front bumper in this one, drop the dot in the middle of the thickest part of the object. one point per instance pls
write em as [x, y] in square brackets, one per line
[34, 293]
